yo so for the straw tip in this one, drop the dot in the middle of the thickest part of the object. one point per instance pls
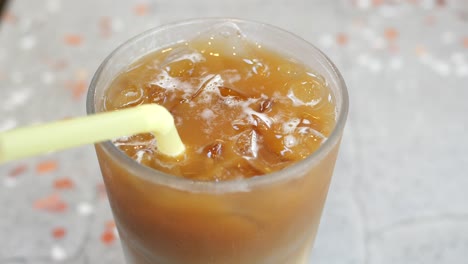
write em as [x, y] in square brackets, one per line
[170, 144]
[174, 151]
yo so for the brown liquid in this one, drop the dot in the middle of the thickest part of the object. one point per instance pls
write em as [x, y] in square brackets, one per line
[241, 112]
[239, 116]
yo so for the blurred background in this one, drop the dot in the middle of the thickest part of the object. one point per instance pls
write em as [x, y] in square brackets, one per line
[399, 193]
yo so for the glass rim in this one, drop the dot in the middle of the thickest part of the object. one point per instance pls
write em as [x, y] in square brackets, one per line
[241, 185]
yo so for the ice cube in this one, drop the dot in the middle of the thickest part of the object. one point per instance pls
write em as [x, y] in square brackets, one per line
[232, 92]
[290, 70]
[133, 95]
[273, 141]
[144, 157]
[246, 144]
[261, 121]
[207, 88]
[311, 132]
[258, 68]
[181, 61]
[169, 87]
[241, 168]
[265, 105]
[183, 53]
[290, 125]
[231, 76]
[215, 86]
[240, 124]
[308, 92]
[214, 150]
[268, 161]
[208, 114]
[302, 142]
[290, 141]
[225, 39]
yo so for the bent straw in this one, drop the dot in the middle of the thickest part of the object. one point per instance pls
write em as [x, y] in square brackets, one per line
[28, 141]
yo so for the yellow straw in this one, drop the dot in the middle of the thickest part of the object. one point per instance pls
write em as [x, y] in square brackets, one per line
[28, 141]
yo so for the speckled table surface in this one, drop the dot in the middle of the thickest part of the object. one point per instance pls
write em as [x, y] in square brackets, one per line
[399, 193]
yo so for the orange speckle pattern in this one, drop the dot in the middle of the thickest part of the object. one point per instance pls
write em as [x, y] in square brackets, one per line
[101, 190]
[430, 20]
[60, 65]
[465, 42]
[52, 203]
[393, 48]
[441, 3]
[141, 9]
[391, 34]
[342, 39]
[78, 88]
[105, 27]
[420, 50]
[377, 2]
[55, 64]
[358, 22]
[81, 74]
[18, 170]
[110, 224]
[46, 166]
[9, 17]
[108, 237]
[63, 184]
[73, 39]
[59, 232]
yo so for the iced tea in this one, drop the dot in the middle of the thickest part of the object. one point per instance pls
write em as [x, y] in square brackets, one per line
[245, 112]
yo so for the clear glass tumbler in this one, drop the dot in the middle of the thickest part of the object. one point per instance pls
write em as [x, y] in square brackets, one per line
[271, 219]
